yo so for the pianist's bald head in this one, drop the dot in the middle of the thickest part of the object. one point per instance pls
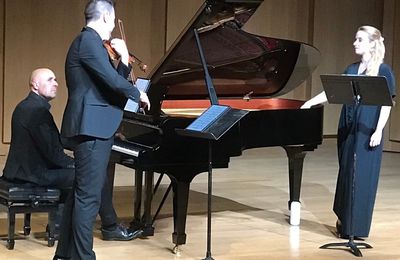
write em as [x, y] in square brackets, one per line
[43, 82]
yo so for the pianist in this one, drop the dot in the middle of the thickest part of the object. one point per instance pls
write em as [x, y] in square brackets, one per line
[36, 154]
[369, 46]
[91, 118]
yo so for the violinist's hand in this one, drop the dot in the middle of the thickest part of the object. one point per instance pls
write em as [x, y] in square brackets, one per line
[376, 138]
[119, 46]
[144, 100]
[120, 136]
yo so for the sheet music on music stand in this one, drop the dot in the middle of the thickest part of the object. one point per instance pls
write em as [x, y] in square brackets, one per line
[143, 85]
[213, 123]
[208, 117]
[341, 89]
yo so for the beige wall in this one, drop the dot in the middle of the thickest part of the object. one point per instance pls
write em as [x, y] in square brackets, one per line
[178, 16]
[37, 33]
[144, 22]
[284, 19]
[392, 36]
[3, 148]
[35, 36]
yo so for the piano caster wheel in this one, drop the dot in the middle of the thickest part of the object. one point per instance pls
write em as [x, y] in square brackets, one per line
[51, 242]
[10, 244]
[27, 230]
[295, 207]
[176, 250]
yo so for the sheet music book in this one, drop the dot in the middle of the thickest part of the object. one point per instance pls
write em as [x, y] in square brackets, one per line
[208, 117]
[143, 85]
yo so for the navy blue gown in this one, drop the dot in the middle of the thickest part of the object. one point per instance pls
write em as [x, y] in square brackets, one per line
[367, 163]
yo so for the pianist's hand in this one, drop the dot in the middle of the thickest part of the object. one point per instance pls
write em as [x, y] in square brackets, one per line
[144, 100]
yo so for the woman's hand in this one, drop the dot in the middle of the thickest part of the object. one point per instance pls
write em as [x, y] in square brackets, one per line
[318, 99]
[306, 105]
[376, 138]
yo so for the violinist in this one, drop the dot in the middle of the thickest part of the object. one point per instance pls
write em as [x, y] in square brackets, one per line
[90, 121]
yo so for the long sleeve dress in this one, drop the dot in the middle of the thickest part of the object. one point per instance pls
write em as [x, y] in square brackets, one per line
[366, 166]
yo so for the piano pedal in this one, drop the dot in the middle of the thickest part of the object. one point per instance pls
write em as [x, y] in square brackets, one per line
[148, 231]
[177, 250]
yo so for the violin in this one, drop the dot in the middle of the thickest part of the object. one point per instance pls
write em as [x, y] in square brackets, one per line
[115, 56]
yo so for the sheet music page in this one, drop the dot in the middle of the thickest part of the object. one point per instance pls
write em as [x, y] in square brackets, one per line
[207, 118]
[143, 85]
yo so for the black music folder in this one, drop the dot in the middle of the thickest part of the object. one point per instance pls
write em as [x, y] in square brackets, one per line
[213, 123]
[343, 89]
[143, 85]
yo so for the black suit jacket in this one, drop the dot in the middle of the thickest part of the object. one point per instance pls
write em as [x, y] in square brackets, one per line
[95, 89]
[35, 142]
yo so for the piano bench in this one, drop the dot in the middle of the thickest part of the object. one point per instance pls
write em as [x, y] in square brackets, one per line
[28, 198]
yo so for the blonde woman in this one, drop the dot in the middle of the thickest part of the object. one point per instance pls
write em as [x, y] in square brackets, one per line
[371, 120]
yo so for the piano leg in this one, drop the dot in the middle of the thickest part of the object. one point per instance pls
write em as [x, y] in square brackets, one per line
[180, 205]
[180, 181]
[144, 222]
[136, 223]
[148, 229]
[296, 155]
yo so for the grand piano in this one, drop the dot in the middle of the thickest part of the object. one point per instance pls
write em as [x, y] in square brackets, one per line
[249, 72]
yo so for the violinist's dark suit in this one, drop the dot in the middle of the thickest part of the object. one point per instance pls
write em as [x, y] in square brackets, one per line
[91, 117]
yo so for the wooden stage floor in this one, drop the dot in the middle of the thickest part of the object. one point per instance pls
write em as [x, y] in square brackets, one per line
[250, 216]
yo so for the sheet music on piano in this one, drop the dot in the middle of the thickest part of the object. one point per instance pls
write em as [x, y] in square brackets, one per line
[143, 85]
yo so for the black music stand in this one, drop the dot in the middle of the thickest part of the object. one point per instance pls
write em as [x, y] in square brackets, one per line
[357, 90]
[212, 124]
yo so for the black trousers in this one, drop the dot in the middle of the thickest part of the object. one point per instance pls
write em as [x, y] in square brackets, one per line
[63, 179]
[83, 203]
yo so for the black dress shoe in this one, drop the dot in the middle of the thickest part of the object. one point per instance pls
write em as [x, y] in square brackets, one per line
[120, 233]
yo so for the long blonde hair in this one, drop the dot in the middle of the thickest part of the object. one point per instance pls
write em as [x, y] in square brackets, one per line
[377, 52]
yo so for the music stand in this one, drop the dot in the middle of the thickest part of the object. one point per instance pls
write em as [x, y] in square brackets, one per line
[357, 90]
[212, 124]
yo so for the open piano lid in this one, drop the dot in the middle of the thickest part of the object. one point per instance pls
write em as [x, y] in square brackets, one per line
[239, 63]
